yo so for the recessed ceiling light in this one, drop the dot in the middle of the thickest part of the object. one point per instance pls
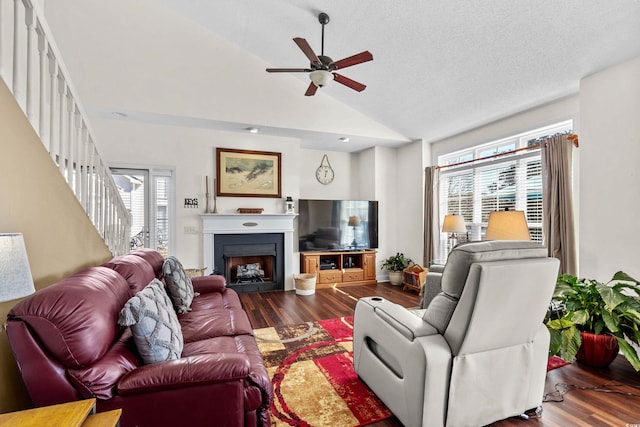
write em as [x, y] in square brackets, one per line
[119, 114]
[252, 130]
[344, 139]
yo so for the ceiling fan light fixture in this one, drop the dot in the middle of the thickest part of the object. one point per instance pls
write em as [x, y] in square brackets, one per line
[321, 78]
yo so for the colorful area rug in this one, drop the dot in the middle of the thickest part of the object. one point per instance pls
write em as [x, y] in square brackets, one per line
[314, 383]
[556, 362]
[311, 369]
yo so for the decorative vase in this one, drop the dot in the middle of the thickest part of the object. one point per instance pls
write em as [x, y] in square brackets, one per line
[597, 350]
[395, 277]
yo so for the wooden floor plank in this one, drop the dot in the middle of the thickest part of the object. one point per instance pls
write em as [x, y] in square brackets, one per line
[579, 408]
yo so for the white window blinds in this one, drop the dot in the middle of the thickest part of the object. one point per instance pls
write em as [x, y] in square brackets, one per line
[509, 181]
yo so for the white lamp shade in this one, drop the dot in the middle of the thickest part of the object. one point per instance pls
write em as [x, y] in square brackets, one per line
[15, 274]
[354, 221]
[453, 224]
[507, 225]
[321, 78]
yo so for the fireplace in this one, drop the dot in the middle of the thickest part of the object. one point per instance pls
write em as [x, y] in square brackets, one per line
[251, 262]
[238, 242]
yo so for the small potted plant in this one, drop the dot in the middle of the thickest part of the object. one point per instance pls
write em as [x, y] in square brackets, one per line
[597, 320]
[394, 265]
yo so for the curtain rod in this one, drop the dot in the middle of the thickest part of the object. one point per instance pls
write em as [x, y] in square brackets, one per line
[573, 137]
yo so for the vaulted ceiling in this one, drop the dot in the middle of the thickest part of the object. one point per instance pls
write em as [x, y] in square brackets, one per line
[440, 67]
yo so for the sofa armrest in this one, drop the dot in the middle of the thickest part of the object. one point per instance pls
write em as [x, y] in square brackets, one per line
[208, 284]
[185, 372]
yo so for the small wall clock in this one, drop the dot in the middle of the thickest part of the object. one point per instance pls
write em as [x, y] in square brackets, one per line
[324, 173]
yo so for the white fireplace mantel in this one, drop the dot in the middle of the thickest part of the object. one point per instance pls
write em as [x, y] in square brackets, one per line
[213, 224]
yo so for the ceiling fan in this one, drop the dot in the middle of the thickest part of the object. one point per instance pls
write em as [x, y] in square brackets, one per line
[322, 68]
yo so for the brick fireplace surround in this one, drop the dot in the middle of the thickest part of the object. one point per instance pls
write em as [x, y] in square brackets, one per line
[245, 224]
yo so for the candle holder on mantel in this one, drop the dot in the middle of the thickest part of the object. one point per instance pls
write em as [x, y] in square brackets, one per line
[206, 206]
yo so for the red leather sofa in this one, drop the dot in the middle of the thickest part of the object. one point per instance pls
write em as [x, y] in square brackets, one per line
[69, 346]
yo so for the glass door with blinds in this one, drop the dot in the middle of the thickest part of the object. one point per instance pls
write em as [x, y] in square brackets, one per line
[146, 194]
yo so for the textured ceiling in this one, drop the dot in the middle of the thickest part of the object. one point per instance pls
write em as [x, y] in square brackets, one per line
[439, 68]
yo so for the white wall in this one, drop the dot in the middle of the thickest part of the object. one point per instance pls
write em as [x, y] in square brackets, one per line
[410, 200]
[610, 177]
[340, 188]
[606, 171]
[370, 174]
[605, 115]
[564, 109]
[191, 152]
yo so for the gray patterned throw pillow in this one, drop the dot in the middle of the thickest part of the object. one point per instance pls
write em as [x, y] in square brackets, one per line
[178, 284]
[154, 324]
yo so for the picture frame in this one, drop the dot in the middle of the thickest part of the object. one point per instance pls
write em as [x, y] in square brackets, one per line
[248, 173]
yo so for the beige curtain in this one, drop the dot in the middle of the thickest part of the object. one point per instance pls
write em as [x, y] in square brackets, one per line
[431, 234]
[558, 226]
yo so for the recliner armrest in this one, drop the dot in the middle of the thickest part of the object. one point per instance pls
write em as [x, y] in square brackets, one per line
[432, 287]
[185, 372]
[436, 268]
[402, 320]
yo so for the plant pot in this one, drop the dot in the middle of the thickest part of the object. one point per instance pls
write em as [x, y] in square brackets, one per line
[395, 278]
[597, 351]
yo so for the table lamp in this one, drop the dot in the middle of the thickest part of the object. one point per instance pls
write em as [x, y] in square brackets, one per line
[453, 224]
[507, 225]
[15, 274]
[354, 221]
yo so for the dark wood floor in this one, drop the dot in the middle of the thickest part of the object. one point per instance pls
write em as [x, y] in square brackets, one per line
[619, 405]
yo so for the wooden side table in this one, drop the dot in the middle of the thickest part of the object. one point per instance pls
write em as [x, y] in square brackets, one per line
[80, 413]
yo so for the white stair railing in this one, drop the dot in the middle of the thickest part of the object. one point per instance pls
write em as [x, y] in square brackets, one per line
[32, 67]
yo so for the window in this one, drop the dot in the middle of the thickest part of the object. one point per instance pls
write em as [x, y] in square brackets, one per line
[495, 182]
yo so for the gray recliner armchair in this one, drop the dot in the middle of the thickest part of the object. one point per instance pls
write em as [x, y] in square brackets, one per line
[479, 352]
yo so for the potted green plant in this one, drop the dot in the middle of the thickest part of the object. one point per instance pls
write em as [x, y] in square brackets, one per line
[603, 315]
[394, 265]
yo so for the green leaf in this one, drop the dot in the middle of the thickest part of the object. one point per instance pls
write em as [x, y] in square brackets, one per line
[598, 327]
[611, 297]
[559, 324]
[611, 321]
[633, 314]
[580, 317]
[555, 343]
[629, 353]
[571, 340]
[621, 275]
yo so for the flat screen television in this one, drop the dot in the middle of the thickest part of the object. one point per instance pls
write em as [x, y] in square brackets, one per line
[339, 225]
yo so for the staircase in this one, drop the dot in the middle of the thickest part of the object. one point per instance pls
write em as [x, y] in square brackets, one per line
[32, 67]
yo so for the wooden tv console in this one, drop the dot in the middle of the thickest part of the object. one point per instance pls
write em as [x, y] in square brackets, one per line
[343, 268]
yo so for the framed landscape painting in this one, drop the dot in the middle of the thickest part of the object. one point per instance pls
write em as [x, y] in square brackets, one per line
[245, 173]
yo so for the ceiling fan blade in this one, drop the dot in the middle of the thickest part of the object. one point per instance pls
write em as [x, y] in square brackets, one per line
[289, 70]
[311, 90]
[352, 60]
[348, 82]
[306, 49]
